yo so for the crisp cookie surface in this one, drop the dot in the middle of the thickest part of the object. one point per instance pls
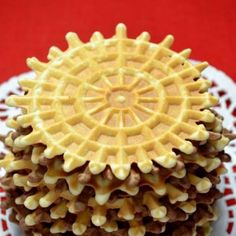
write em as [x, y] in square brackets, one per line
[115, 102]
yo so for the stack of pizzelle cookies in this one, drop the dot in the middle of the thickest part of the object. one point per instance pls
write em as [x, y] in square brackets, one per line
[116, 137]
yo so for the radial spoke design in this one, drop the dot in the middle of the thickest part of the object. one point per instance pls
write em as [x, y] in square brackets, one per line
[134, 116]
[145, 89]
[121, 78]
[149, 99]
[134, 83]
[144, 109]
[151, 59]
[107, 82]
[98, 108]
[106, 117]
[95, 88]
[121, 119]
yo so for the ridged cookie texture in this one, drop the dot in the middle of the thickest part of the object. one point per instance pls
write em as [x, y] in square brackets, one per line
[116, 137]
[115, 102]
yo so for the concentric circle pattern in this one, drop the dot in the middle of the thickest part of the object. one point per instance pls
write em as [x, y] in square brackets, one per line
[115, 102]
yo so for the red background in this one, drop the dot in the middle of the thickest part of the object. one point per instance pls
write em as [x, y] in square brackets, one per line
[28, 28]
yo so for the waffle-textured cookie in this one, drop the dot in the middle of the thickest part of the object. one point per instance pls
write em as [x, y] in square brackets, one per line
[116, 137]
[115, 102]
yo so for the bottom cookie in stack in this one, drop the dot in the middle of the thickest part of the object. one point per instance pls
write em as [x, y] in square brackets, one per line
[47, 201]
[142, 222]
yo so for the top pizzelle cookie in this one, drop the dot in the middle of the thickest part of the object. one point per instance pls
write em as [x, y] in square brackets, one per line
[115, 102]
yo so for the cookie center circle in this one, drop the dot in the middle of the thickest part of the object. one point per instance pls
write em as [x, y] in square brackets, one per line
[121, 98]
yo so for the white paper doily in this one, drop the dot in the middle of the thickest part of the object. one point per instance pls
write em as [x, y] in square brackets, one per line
[223, 87]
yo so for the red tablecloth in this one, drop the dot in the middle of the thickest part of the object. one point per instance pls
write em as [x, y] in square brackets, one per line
[28, 28]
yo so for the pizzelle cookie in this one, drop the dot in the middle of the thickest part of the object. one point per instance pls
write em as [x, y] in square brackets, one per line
[116, 137]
